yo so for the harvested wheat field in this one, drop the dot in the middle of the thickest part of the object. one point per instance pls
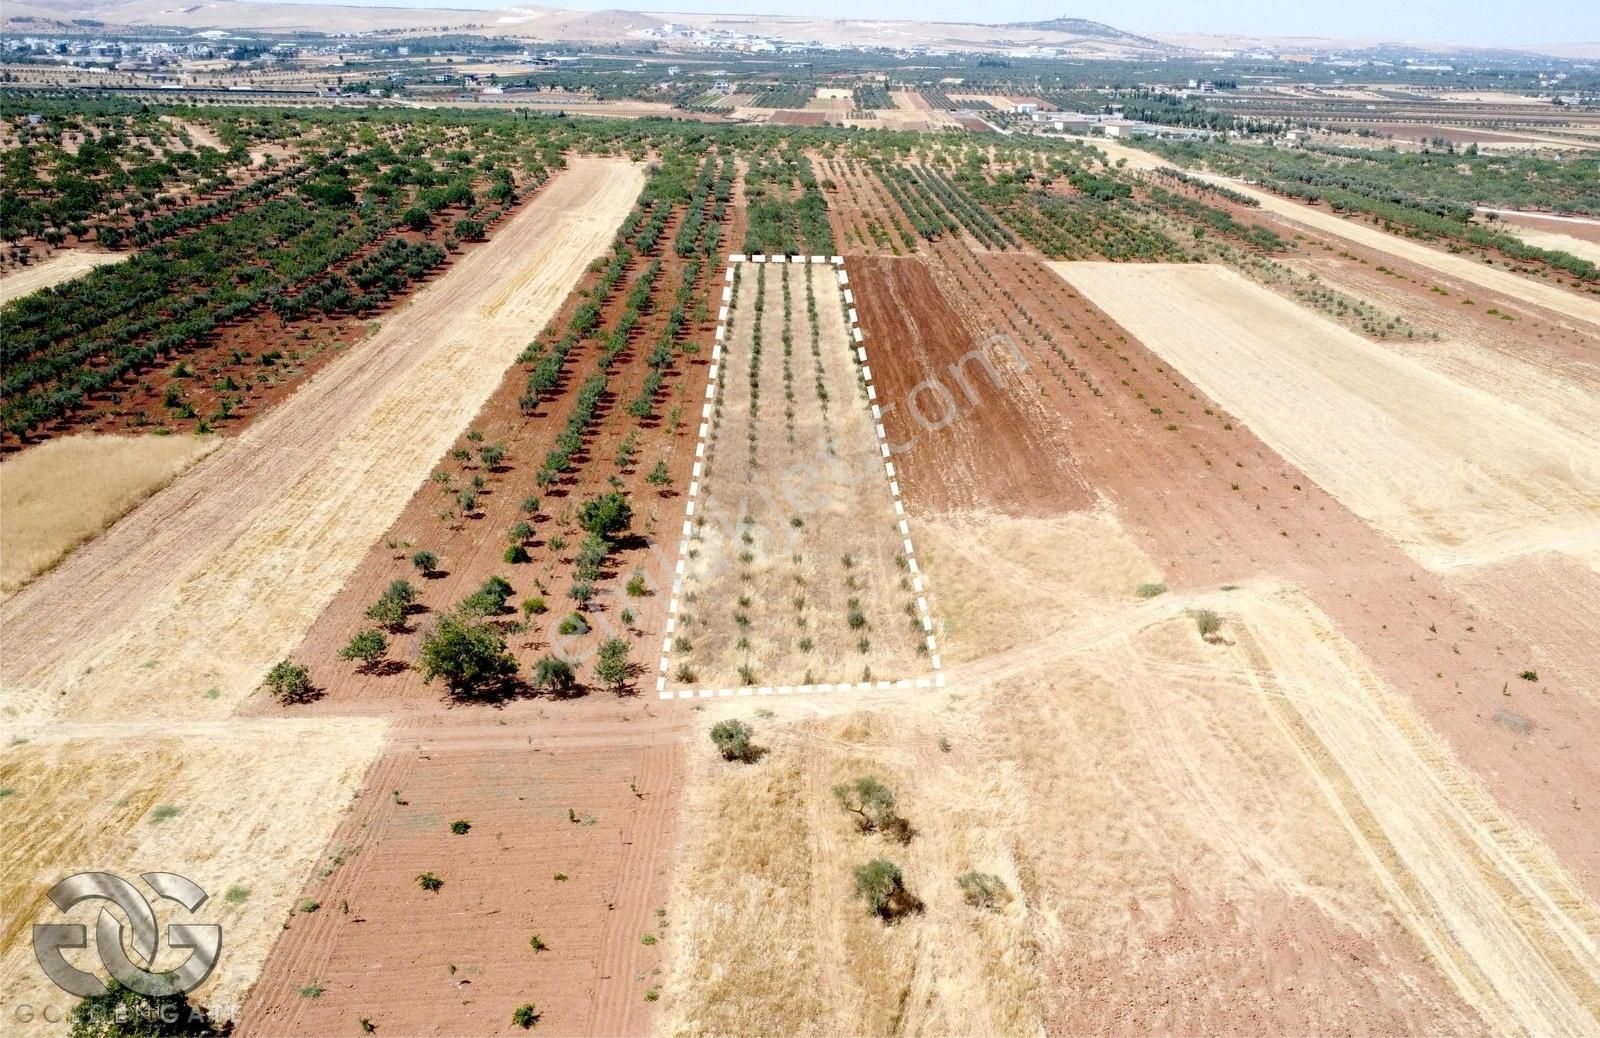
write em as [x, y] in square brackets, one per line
[68, 490]
[276, 520]
[1199, 834]
[63, 266]
[133, 797]
[1381, 433]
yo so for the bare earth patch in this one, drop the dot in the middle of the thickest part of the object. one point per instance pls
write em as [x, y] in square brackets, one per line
[61, 493]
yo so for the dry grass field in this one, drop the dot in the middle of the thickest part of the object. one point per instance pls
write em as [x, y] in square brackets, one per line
[68, 490]
[138, 796]
[1247, 831]
[1380, 432]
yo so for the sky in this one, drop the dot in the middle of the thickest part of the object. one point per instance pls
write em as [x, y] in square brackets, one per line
[1478, 22]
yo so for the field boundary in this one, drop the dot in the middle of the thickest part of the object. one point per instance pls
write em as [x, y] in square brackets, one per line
[858, 337]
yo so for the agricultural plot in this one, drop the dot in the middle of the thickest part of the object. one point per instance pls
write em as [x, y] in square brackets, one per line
[105, 476]
[1380, 432]
[133, 797]
[798, 570]
[273, 524]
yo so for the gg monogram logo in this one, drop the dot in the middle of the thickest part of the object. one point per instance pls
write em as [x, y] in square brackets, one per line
[49, 939]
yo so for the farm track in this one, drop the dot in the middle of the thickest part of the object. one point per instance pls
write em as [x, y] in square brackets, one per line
[220, 573]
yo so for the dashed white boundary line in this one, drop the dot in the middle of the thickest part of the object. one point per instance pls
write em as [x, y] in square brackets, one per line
[856, 334]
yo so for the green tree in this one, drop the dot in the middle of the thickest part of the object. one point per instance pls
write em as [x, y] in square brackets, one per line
[289, 682]
[124, 1013]
[871, 801]
[554, 674]
[470, 656]
[606, 515]
[882, 886]
[612, 666]
[488, 600]
[732, 739]
[425, 561]
[366, 646]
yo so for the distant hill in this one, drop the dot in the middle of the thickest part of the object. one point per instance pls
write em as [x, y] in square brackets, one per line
[1088, 29]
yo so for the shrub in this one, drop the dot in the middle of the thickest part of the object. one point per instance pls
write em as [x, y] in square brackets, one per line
[460, 827]
[1529, 675]
[514, 554]
[983, 889]
[554, 674]
[658, 476]
[534, 606]
[612, 666]
[732, 739]
[1207, 623]
[873, 804]
[537, 944]
[530, 505]
[123, 1011]
[469, 656]
[882, 886]
[1150, 590]
[572, 623]
[492, 454]
[636, 585]
[425, 562]
[429, 882]
[606, 515]
[289, 682]
[367, 646]
[488, 600]
[525, 1016]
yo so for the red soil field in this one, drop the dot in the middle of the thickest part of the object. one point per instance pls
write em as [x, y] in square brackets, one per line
[1173, 491]
[1012, 461]
[459, 960]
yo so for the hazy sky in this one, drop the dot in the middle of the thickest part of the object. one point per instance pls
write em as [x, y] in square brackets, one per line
[1483, 22]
